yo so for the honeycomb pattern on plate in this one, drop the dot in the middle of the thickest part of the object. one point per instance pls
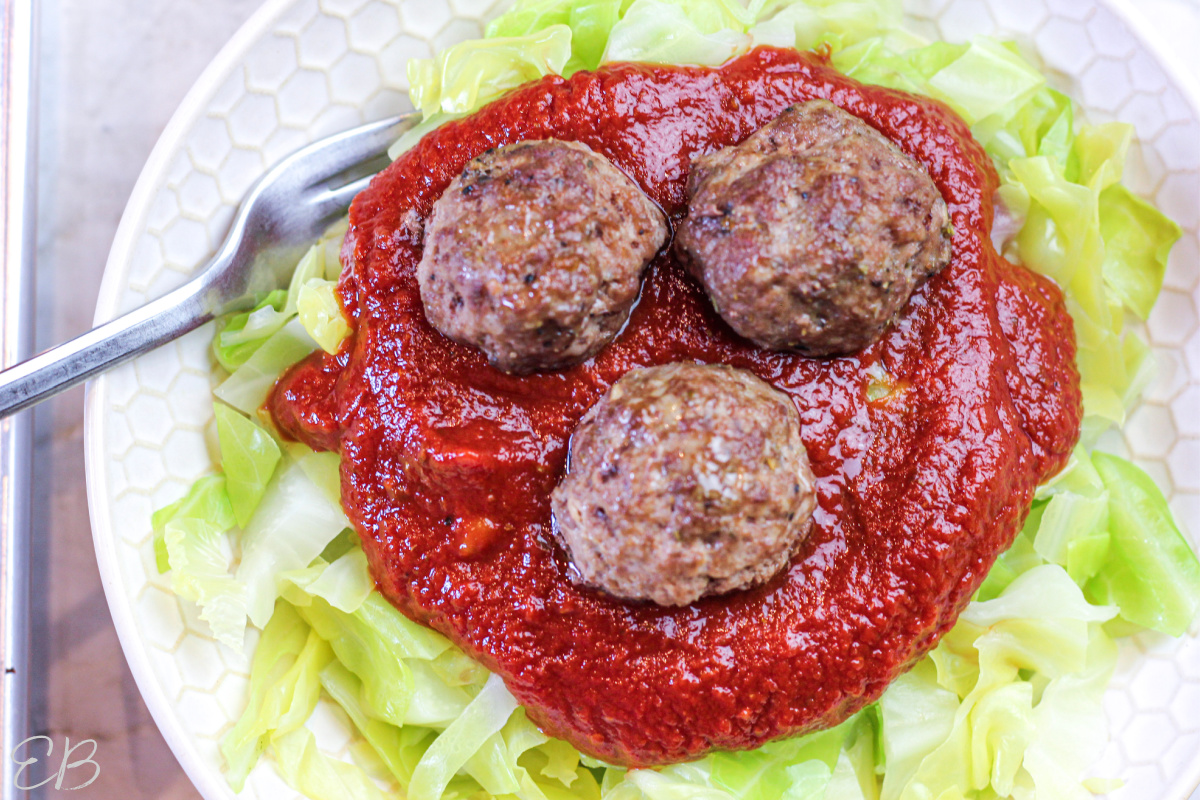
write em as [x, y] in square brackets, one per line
[306, 68]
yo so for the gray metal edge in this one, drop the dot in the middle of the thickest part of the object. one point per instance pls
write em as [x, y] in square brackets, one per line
[18, 159]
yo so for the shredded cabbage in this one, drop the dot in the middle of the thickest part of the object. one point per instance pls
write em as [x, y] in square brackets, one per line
[294, 523]
[663, 32]
[536, 38]
[247, 388]
[256, 346]
[321, 313]
[192, 543]
[345, 583]
[239, 335]
[972, 721]
[317, 775]
[206, 501]
[1150, 572]
[467, 75]
[1007, 705]
[284, 688]
[483, 718]
[248, 458]
[808, 26]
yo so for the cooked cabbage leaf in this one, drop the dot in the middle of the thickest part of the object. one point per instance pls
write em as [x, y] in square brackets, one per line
[192, 542]
[239, 335]
[321, 313]
[1150, 573]
[249, 456]
[467, 75]
[250, 384]
[294, 522]
[284, 687]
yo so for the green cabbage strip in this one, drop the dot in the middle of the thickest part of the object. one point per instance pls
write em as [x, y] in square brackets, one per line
[536, 38]
[249, 456]
[467, 75]
[255, 346]
[294, 523]
[435, 722]
[1008, 704]
[193, 537]
[192, 543]
[344, 583]
[239, 335]
[977, 711]
[321, 314]
[1150, 574]
[284, 688]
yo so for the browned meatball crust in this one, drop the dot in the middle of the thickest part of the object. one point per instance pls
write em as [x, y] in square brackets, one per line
[685, 480]
[534, 254]
[813, 233]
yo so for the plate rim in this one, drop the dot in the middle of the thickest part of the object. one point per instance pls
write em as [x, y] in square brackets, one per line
[1166, 56]
[209, 783]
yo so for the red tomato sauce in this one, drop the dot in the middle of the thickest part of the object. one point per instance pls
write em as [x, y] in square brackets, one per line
[927, 445]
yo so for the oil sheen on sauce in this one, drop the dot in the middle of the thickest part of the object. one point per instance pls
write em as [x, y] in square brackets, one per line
[927, 445]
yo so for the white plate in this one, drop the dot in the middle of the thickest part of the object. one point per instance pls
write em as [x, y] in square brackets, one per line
[300, 69]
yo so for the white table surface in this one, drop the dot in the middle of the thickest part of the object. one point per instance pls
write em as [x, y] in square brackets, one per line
[112, 73]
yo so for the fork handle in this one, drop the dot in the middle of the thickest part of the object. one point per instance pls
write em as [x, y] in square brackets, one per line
[102, 348]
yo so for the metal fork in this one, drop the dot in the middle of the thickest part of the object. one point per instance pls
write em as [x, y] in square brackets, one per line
[284, 213]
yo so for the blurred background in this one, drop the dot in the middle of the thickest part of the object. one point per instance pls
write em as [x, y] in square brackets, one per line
[111, 74]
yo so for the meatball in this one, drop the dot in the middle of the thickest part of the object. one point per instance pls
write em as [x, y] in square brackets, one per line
[534, 254]
[813, 233]
[684, 481]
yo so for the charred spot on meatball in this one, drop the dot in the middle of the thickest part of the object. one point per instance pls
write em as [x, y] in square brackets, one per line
[534, 254]
[812, 234]
[685, 480]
